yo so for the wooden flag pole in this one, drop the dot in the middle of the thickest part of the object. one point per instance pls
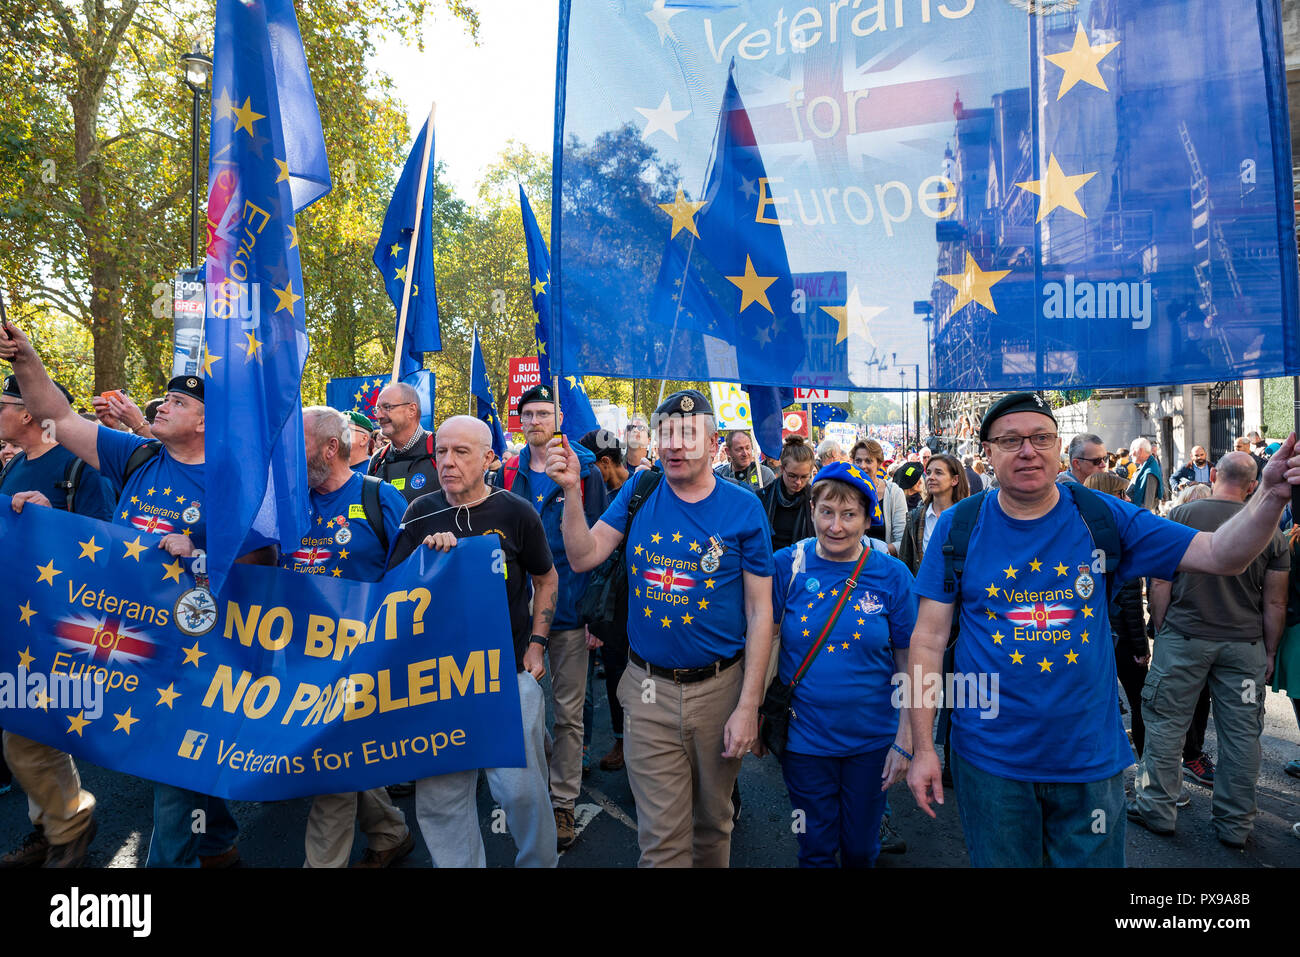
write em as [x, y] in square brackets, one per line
[415, 241]
[474, 347]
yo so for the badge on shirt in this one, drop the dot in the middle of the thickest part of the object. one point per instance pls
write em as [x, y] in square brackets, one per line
[195, 613]
[713, 556]
[1083, 584]
[191, 514]
[870, 603]
[811, 585]
[417, 480]
[344, 534]
[399, 484]
[356, 510]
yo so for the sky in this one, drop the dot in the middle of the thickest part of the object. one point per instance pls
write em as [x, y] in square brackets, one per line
[502, 89]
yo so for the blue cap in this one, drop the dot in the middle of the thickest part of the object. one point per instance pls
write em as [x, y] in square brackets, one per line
[852, 475]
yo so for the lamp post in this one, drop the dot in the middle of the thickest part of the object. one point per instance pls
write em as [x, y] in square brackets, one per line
[198, 68]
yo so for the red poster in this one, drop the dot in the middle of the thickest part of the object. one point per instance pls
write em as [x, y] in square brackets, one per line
[524, 374]
[795, 423]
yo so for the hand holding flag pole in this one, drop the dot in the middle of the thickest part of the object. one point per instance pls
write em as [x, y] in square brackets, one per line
[410, 253]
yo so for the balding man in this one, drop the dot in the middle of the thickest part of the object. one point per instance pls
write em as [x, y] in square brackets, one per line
[354, 521]
[1147, 488]
[445, 805]
[1215, 630]
[1087, 454]
[407, 463]
[1196, 470]
[741, 465]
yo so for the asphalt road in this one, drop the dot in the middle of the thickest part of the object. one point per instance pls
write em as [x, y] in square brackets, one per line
[271, 834]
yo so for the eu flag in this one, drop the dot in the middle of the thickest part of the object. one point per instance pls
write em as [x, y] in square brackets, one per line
[1088, 193]
[485, 407]
[262, 171]
[355, 393]
[578, 417]
[392, 258]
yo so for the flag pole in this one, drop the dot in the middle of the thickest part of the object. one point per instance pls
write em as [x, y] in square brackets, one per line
[555, 394]
[473, 348]
[415, 239]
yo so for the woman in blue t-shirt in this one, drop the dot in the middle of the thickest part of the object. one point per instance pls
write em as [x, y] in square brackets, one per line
[846, 744]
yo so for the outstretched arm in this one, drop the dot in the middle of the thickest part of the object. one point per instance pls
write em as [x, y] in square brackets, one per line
[44, 402]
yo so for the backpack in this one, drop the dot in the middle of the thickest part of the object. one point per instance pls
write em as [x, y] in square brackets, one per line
[603, 605]
[1095, 514]
[141, 455]
[71, 478]
[374, 512]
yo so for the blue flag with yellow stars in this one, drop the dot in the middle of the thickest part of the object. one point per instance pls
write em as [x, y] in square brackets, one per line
[355, 393]
[579, 419]
[823, 412]
[262, 171]
[392, 258]
[485, 407]
[1018, 195]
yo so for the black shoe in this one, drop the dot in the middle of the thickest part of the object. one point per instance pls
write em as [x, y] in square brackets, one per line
[405, 789]
[1234, 845]
[891, 842]
[72, 854]
[735, 802]
[1136, 817]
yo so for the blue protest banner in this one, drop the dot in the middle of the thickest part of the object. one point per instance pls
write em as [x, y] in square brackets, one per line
[282, 686]
[1090, 193]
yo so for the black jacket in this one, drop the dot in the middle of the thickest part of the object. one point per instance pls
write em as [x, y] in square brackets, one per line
[1127, 621]
[803, 526]
[911, 549]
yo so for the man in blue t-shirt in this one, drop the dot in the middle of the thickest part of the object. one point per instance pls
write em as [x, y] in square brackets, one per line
[699, 567]
[343, 543]
[47, 474]
[1034, 658]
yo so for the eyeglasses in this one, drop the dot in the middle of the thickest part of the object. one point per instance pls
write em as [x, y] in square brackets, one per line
[386, 407]
[1100, 461]
[1013, 443]
[541, 415]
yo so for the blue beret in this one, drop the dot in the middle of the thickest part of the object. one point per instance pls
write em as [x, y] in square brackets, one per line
[852, 475]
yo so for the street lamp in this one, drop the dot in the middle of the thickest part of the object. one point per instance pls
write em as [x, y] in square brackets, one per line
[198, 68]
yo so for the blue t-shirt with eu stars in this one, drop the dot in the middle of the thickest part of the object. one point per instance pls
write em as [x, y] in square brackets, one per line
[161, 497]
[1034, 616]
[340, 542]
[95, 497]
[686, 594]
[843, 706]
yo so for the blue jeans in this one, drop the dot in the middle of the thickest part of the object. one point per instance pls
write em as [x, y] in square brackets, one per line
[174, 842]
[842, 804]
[1029, 824]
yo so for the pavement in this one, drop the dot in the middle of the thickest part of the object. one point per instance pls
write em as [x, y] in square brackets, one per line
[271, 834]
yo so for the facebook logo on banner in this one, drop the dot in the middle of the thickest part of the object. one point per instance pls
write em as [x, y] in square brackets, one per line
[192, 745]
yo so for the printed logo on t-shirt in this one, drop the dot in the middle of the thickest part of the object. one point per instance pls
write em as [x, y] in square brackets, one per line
[713, 556]
[1040, 623]
[663, 582]
[1083, 584]
[870, 603]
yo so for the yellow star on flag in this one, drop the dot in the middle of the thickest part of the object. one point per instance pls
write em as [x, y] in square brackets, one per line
[687, 618]
[25, 657]
[1084, 636]
[752, 286]
[666, 622]
[77, 723]
[1087, 611]
[992, 591]
[1035, 565]
[133, 548]
[223, 105]
[1060, 568]
[400, 275]
[284, 171]
[1010, 572]
[394, 249]
[90, 549]
[26, 611]
[338, 573]
[173, 571]
[854, 317]
[974, 285]
[253, 346]
[709, 583]
[245, 117]
[539, 286]
[1072, 656]
[989, 612]
[703, 604]
[683, 211]
[997, 637]
[1057, 189]
[1017, 657]
[1080, 63]
[47, 573]
[167, 695]
[286, 297]
[293, 236]
[647, 611]
[656, 538]
[208, 359]
[1044, 665]
[192, 655]
[124, 721]
[677, 536]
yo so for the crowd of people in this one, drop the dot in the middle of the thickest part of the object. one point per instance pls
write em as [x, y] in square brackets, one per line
[789, 609]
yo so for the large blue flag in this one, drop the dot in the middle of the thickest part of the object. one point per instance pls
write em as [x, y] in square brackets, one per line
[1017, 195]
[485, 407]
[579, 419]
[360, 393]
[392, 254]
[263, 170]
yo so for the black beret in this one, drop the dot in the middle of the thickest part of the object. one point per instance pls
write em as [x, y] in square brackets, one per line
[1015, 402]
[11, 389]
[190, 385]
[685, 402]
[602, 444]
[538, 393]
[908, 475]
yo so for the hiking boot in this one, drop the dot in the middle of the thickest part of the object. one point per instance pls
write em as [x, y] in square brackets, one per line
[565, 834]
[1136, 817]
[614, 760]
[373, 858]
[891, 842]
[219, 862]
[72, 854]
[1201, 770]
[31, 853]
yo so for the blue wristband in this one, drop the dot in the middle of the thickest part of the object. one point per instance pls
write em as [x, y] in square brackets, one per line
[901, 751]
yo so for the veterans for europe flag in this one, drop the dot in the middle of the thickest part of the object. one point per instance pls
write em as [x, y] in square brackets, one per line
[392, 253]
[263, 170]
[483, 406]
[578, 416]
[1092, 193]
[283, 685]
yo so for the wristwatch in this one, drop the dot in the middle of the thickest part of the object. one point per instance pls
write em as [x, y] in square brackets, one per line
[539, 640]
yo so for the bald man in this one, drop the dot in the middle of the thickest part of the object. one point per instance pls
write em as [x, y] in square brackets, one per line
[445, 805]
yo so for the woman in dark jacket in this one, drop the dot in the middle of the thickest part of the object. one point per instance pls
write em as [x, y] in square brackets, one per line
[787, 501]
[945, 486]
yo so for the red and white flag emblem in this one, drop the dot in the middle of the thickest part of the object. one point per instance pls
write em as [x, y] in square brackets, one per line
[1041, 615]
[669, 579]
[104, 639]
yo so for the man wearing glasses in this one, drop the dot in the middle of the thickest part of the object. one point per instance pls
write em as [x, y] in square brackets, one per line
[1039, 764]
[408, 462]
[363, 441]
[1087, 454]
[638, 444]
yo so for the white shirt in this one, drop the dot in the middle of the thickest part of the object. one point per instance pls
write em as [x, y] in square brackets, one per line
[931, 519]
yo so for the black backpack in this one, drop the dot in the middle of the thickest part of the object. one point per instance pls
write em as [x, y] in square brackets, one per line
[603, 605]
[374, 512]
[1096, 515]
[71, 478]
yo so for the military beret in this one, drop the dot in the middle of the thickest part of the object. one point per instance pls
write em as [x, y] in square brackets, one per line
[538, 393]
[11, 389]
[360, 420]
[685, 402]
[1015, 402]
[908, 475]
[190, 385]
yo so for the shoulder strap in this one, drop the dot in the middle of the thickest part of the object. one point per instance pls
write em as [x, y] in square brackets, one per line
[849, 585]
[645, 484]
[1101, 526]
[71, 482]
[428, 443]
[12, 464]
[509, 472]
[139, 457]
[374, 511]
[964, 515]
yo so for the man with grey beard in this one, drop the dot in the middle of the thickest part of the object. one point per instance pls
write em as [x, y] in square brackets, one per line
[354, 520]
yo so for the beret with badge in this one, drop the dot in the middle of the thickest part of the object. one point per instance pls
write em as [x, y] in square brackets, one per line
[190, 385]
[538, 393]
[1010, 404]
[685, 402]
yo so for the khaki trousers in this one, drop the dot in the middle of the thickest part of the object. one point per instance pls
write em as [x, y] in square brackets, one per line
[672, 743]
[331, 822]
[56, 802]
[568, 668]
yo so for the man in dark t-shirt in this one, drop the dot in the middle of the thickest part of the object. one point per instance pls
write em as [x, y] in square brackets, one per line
[445, 805]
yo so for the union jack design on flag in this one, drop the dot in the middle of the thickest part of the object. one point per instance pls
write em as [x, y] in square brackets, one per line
[1041, 615]
[104, 639]
[311, 556]
[153, 524]
[669, 580]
